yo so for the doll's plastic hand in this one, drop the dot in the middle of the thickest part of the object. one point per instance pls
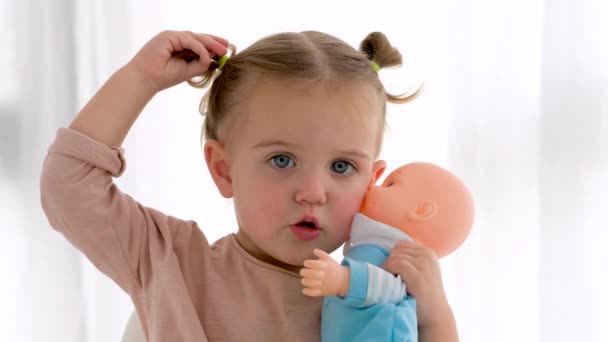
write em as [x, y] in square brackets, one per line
[160, 69]
[324, 276]
[419, 268]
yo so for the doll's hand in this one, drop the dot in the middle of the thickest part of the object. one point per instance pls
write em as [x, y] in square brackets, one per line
[324, 276]
[158, 62]
[419, 268]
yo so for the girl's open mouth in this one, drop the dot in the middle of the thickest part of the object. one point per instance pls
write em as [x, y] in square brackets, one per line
[306, 229]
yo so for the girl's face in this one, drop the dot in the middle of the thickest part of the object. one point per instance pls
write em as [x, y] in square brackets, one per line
[298, 161]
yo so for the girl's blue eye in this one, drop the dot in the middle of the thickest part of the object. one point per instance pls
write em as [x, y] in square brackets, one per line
[342, 167]
[282, 161]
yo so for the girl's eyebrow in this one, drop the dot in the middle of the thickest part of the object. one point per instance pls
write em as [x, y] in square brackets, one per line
[345, 152]
[354, 153]
[273, 142]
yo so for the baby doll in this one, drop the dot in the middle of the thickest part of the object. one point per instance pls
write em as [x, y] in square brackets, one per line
[418, 201]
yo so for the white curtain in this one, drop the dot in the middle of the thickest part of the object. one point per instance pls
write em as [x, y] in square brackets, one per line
[516, 104]
[54, 55]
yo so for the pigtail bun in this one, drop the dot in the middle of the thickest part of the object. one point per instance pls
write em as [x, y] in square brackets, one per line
[378, 49]
[203, 81]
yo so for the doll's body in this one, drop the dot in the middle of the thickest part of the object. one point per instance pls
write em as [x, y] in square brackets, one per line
[376, 306]
[418, 201]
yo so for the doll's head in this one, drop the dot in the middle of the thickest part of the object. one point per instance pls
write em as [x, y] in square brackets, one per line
[427, 202]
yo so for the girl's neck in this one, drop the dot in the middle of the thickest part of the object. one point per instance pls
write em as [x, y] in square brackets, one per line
[245, 242]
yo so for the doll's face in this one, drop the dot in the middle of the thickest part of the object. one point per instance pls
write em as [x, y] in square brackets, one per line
[390, 202]
[427, 202]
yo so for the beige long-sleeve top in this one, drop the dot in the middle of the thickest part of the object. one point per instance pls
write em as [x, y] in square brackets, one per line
[183, 288]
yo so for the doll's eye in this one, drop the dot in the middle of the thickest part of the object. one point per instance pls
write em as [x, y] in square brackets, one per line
[282, 161]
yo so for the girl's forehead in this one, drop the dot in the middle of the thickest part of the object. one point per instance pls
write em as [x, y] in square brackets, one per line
[281, 103]
[306, 113]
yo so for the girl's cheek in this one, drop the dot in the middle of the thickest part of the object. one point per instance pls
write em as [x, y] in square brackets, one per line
[350, 205]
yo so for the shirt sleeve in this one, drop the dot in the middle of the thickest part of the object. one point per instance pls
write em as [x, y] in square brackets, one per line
[383, 287]
[357, 287]
[370, 284]
[121, 237]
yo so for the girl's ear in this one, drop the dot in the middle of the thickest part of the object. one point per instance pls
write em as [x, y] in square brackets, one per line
[215, 156]
[377, 171]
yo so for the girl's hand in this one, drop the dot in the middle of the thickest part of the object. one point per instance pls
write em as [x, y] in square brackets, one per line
[419, 268]
[160, 69]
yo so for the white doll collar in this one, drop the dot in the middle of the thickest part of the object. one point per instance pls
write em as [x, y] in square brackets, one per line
[367, 231]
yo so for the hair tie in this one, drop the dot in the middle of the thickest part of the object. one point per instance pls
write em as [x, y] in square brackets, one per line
[376, 66]
[222, 62]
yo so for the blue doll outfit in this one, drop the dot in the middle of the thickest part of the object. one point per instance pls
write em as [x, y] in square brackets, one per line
[377, 306]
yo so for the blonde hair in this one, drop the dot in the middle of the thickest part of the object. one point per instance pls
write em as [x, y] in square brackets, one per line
[308, 55]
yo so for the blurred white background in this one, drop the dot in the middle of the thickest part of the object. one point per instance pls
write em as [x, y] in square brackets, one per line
[516, 104]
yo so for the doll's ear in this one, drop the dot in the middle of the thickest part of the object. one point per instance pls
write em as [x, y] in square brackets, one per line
[423, 212]
[377, 171]
[217, 163]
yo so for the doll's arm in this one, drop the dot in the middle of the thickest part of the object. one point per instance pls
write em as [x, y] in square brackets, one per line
[324, 276]
[383, 286]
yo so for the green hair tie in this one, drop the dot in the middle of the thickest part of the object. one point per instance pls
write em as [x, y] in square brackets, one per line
[222, 62]
[376, 67]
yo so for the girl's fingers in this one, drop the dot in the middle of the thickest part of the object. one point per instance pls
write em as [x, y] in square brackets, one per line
[183, 41]
[412, 248]
[420, 261]
[187, 55]
[205, 47]
[223, 42]
[215, 47]
[404, 259]
[199, 48]
[220, 40]
[403, 268]
[399, 252]
[196, 69]
[409, 252]
[189, 42]
[406, 244]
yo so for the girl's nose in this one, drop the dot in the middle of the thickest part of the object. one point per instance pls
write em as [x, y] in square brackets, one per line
[311, 190]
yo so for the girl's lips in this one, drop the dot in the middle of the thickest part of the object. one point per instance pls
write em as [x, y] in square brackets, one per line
[308, 219]
[305, 233]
